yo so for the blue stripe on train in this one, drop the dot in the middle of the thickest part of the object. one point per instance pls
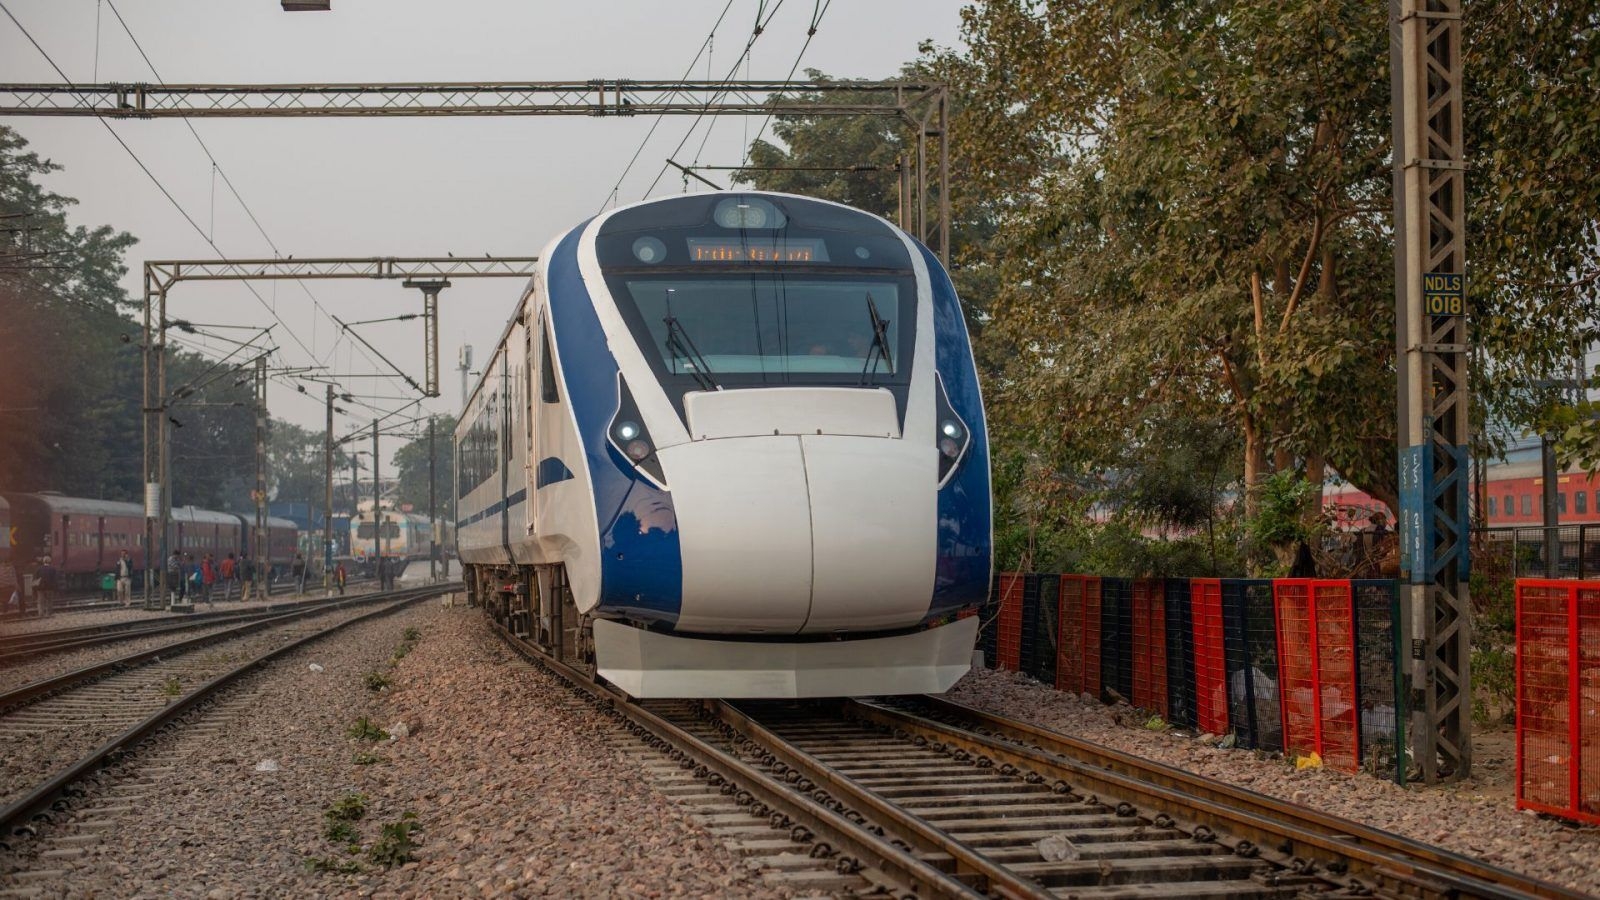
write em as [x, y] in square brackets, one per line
[641, 563]
[494, 509]
[964, 554]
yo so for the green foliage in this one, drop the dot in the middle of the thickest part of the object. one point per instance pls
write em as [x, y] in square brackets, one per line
[349, 808]
[363, 758]
[1494, 675]
[322, 864]
[395, 843]
[411, 634]
[365, 729]
[171, 687]
[338, 831]
[1287, 505]
[377, 681]
[411, 463]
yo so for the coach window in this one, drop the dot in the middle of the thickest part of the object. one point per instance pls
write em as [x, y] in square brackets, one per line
[1561, 504]
[1491, 507]
[1527, 504]
[1580, 502]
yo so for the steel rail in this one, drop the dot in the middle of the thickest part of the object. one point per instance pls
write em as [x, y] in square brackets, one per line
[1274, 827]
[50, 685]
[22, 810]
[992, 877]
[17, 647]
[763, 791]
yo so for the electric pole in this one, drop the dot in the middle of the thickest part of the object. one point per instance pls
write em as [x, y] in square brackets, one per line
[377, 526]
[327, 500]
[433, 509]
[1431, 365]
[260, 492]
[464, 365]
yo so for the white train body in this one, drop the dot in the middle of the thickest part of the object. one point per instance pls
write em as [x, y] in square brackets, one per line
[739, 439]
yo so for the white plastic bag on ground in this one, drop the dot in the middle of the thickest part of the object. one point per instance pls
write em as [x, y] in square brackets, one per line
[316, 667]
[267, 765]
[1056, 848]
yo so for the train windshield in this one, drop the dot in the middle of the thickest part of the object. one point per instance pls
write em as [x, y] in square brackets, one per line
[739, 329]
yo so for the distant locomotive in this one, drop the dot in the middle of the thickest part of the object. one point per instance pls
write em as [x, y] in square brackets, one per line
[733, 445]
[84, 537]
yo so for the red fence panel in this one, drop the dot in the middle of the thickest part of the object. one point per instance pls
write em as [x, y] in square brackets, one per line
[1317, 670]
[1149, 646]
[1338, 703]
[1558, 698]
[1009, 651]
[1210, 665]
[1297, 670]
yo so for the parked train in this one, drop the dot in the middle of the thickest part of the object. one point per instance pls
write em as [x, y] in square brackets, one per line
[733, 445]
[1513, 496]
[401, 535]
[84, 537]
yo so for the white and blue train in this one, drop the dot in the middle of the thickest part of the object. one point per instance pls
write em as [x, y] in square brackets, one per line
[732, 445]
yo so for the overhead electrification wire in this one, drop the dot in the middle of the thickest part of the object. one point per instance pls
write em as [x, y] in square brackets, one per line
[755, 35]
[817, 12]
[611, 195]
[218, 170]
[156, 181]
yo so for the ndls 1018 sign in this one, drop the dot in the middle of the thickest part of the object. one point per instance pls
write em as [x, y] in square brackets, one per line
[1444, 294]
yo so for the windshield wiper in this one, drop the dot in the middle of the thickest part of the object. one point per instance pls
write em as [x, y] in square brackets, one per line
[880, 344]
[682, 347]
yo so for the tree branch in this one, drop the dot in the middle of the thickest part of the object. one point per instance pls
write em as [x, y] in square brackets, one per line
[1305, 271]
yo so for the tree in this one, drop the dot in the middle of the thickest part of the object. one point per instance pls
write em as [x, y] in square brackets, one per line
[411, 461]
[70, 364]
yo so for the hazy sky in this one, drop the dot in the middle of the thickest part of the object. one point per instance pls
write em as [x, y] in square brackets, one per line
[403, 186]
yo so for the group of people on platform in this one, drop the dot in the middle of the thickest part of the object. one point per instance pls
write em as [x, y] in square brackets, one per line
[206, 579]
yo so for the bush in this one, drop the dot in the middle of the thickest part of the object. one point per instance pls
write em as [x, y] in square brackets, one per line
[365, 730]
[394, 845]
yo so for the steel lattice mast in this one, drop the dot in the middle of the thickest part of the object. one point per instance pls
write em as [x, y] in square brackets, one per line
[1431, 364]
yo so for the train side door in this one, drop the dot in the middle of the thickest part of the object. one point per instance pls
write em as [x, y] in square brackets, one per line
[60, 540]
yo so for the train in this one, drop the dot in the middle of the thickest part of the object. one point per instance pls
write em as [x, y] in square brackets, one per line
[83, 537]
[402, 535]
[733, 445]
[1513, 497]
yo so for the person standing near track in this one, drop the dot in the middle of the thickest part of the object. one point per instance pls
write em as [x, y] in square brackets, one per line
[208, 578]
[124, 573]
[44, 585]
[175, 575]
[339, 576]
[247, 576]
[227, 571]
[298, 570]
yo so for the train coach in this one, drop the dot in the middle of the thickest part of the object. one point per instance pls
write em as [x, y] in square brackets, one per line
[83, 537]
[733, 445]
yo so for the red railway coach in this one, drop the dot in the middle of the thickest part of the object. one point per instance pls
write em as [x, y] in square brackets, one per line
[1514, 496]
[82, 537]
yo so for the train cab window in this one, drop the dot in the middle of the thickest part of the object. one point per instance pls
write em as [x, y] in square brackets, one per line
[1527, 504]
[1580, 502]
[1492, 511]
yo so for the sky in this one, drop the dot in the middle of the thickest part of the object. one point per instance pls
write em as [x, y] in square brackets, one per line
[403, 186]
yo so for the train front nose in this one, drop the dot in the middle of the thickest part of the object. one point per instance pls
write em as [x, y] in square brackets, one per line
[805, 532]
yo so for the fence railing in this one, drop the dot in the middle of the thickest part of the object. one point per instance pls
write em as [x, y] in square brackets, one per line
[1297, 666]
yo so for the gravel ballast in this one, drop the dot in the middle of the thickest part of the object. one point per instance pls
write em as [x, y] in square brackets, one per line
[1475, 818]
[514, 787]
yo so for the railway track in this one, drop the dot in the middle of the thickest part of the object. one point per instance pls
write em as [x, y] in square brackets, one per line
[67, 727]
[929, 798]
[16, 648]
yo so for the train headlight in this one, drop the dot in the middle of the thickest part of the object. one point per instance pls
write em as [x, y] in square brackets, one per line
[630, 437]
[952, 437]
